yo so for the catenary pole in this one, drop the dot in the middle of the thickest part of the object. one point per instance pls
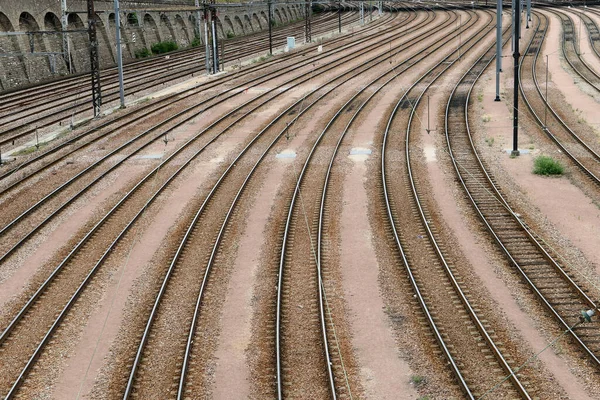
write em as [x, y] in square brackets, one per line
[270, 28]
[516, 55]
[64, 22]
[498, 47]
[339, 16]
[206, 41]
[213, 21]
[119, 53]
[94, 58]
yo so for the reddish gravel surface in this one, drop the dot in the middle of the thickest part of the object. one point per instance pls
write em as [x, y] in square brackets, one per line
[381, 347]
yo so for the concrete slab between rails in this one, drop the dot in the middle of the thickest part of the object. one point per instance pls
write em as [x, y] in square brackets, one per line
[286, 154]
[359, 154]
[521, 151]
[150, 157]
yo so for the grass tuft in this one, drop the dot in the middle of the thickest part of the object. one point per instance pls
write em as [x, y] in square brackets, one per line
[545, 165]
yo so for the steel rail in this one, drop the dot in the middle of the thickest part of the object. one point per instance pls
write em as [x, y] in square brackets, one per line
[143, 64]
[97, 266]
[567, 23]
[516, 219]
[30, 130]
[288, 226]
[176, 60]
[553, 113]
[426, 225]
[189, 231]
[116, 165]
[191, 92]
[322, 314]
[428, 79]
[324, 195]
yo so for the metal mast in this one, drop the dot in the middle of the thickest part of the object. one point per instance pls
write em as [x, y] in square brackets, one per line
[65, 38]
[119, 53]
[307, 14]
[516, 55]
[498, 47]
[94, 59]
[270, 28]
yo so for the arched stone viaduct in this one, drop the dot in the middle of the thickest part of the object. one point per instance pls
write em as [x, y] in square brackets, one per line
[30, 52]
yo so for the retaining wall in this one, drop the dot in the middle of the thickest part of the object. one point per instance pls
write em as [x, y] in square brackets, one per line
[35, 53]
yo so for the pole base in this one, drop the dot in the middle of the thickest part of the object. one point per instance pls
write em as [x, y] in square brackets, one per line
[497, 98]
[515, 153]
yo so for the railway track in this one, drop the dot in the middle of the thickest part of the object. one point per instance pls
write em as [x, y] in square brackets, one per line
[305, 242]
[572, 144]
[13, 330]
[432, 275]
[45, 112]
[148, 111]
[571, 51]
[103, 166]
[153, 333]
[555, 285]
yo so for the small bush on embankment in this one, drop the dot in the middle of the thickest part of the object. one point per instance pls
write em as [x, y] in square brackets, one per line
[164, 47]
[545, 165]
[142, 53]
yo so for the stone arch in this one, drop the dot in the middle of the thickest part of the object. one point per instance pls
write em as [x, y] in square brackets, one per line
[220, 32]
[278, 16]
[228, 26]
[27, 23]
[265, 18]
[285, 14]
[192, 21]
[239, 25]
[39, 66]
[132, 19]
[52, 23]
[126, 45]
[12, 69]
[151, 31]
[104, 47]
[80, 58]
[294, 12]
[247, 24]
[166, 28]
[182, 31]
[256, 21]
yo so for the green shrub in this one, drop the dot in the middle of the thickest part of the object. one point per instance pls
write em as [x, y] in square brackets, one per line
[164, 47]
[544, 165]
[142, 53]
[230, 35]
[196, 42]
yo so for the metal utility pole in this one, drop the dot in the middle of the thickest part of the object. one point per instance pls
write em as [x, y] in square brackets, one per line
[213, 21]
[307, 27]
[206, 41]
[546, 96]
[516, 55]
[119, 53]
[528, 13]
[362, 13]
[339, 16]
[64, 22]
[498, 47]
[270, 28]
[94, 58]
